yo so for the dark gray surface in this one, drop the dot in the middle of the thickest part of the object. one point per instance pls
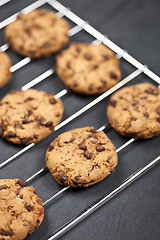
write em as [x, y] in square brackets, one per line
[134, 213]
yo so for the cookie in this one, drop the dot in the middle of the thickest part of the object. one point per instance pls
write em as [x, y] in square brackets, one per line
[88, 69]
[5, 65]
[134, 111]
[29, 116]
[81, 157]
[37, 34]
[21, 210]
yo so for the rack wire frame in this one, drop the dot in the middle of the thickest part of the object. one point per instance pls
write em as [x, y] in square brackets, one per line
[82, 25]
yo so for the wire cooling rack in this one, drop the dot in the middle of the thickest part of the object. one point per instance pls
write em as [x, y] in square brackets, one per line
[78, 26]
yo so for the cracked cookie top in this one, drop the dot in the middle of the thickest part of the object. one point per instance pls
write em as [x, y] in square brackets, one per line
[134, 111]
[29, 116]
[21, 210]
[81, 157]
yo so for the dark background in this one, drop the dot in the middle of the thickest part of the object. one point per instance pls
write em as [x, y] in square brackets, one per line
[134, 213]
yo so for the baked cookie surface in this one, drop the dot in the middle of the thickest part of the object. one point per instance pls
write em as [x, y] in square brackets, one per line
[37, 34]
[21, 210]
[29, 116]
[88, 69]
[81, 157]
[134, 111]
[5, 65]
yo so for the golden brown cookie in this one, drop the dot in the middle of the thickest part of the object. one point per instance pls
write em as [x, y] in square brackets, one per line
[88, 69]
[5, 65]
[37, 34]
[81, 157]
[134, 111]
[29, 116]
[21, 210]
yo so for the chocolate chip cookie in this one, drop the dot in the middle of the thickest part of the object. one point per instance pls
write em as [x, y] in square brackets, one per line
[37, 34]
[81, 157]
[21, 210]
[88, 69]
[134, 111]
[29, 116]
[5, 65]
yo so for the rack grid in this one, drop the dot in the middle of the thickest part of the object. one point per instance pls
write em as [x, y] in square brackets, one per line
[80, 25]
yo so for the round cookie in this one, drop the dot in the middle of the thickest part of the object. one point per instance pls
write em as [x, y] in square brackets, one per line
[134, 111]
[88, 69]
[5, 65]
[37, 34]
[29, 116]
[21, 210]
[81, 157]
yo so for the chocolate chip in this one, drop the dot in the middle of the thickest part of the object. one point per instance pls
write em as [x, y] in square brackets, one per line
[82, 146]
[11, 135]
[36, 136]
[135, 102]
[21, 197]
[57, 115]
[95, 141]
[49, 124]
[29, 112]
[26, 140]
[3, 187]
[28, 207]
[100, 148]
[28, 99]
[146, 115]
[128, 126]
[91, 136]
[45, 45]
[38, 221]
[158, 119]
[95, 67]
[78, 49]
[1, 132]
[125, 108]
[104, 82]
[17, 125]
[52, 145]
[113, 75]
[88, 155]
[95, 166]
[144, 97]
[25, 121]
[52, 101]
[90, 88]
[158, 110]
[28, 31]
[113, 103]
[152, 91]
[75, 84]
[133, 119]
[63, 176]
[68, 65]
[108, 159]
[6, 233]
[93, 130]
[21, 182]
[77, 177]
[87, 56]
[18, 191]
[106, 57]
[71, 139]
[42, 121]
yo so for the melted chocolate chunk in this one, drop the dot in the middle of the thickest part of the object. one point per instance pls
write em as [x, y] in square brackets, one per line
[93, 130]
[144, 97]
[18, 191]
[11, 135]
[28, 207]
[42, 121]
[146, 115]
[49, 124]
[25, 121]
[95, 166]
[3, 187]
[88, 155]
[71, 139]
[52, 101]
[88, 56]
[108, 159]
[6, 233]
[36, 136]
[95, 67]
[100, 148]
[28, 99]
[63, 176]
[82, 146]
[77, 177]
[17, 125]
[113, 103]
[21, 182]
[26, 140]
[135, 102]
[133, 119]
[68, 65]
[106, 57]
[113, 75]
[21, 197]
[152, 91]
[158, 110]
[29, 112]
[52, 145]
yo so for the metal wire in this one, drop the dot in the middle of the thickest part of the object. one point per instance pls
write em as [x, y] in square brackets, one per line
[2, 2]
[79, 112]
[104, 199]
